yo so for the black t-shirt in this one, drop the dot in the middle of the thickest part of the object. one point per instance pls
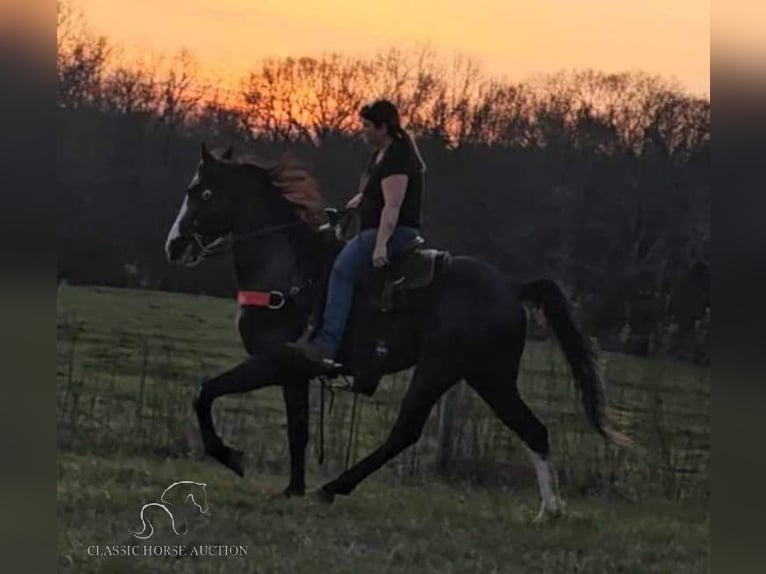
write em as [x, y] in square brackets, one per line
[398, 159]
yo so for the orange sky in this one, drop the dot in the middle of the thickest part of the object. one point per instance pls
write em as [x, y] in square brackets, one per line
[514, 38]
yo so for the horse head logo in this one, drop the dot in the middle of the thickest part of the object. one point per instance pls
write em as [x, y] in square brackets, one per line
[173, 497]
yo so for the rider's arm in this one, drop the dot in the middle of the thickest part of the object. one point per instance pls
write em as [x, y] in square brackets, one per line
[394, 188]
[354, 201]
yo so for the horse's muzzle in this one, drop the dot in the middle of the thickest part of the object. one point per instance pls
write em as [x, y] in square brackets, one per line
[183, 250]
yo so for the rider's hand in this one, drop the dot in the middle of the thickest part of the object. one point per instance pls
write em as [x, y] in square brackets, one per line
[354, 202]
[380, 256]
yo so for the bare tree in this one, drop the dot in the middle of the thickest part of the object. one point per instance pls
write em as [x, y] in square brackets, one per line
[179, 93]
[131, 88]
[81, 59]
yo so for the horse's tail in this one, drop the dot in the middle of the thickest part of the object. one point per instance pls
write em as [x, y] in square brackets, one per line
[579, 352]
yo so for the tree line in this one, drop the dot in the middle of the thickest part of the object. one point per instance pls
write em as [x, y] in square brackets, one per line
[599, 180]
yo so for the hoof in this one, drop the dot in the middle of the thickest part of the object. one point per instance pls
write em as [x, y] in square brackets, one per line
[324, 495]
[292, 492]
[549, 515]
[231, 458]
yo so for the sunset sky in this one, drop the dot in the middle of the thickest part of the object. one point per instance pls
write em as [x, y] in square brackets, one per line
[511, 38]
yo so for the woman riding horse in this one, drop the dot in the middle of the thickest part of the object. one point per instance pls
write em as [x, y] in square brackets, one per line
[469, 325]
[389, 201]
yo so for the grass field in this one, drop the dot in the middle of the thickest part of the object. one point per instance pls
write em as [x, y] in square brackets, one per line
[130, 361]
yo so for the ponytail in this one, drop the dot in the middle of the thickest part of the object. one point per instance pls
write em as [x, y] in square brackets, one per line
[410, 141]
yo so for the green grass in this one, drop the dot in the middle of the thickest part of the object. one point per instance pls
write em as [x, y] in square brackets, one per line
[128, 365]
[384, 527]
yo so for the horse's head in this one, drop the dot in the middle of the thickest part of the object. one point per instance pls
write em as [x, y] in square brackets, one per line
[207, 213]
[224, 194]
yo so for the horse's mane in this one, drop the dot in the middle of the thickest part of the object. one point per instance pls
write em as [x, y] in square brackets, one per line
[294, 183]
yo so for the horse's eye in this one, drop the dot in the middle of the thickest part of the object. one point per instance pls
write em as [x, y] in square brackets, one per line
[207, 194]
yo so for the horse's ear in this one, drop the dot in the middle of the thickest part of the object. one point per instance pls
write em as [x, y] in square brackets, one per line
[207, 157]
[228, 154]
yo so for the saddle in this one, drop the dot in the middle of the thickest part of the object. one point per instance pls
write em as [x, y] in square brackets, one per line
[412, 267]
[381, 292]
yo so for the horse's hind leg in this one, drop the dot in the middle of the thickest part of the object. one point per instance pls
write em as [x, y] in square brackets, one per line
[433, 376]
[254, 373]
[495, 382]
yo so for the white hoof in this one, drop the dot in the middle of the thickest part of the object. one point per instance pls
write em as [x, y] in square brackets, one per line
[550, 511]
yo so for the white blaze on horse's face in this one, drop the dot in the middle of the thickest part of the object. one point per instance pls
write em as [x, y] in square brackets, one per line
[201, 225]
[175, 231]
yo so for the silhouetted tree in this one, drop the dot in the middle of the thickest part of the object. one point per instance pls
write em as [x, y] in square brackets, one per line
[600, 180]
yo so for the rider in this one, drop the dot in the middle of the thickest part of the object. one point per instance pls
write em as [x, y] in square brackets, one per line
[389, 202]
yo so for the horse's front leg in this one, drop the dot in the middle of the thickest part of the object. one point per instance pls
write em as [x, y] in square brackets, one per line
[257, 372]
[296, 397]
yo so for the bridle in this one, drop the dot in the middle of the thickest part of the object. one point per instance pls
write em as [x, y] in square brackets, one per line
[219, 245]
[337, 218]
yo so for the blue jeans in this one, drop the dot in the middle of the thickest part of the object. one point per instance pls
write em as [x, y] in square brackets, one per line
[354, 259]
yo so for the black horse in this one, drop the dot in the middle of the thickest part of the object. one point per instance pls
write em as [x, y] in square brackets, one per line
[469, 323]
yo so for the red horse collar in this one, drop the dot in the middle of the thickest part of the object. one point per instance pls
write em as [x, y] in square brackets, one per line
[270, 299]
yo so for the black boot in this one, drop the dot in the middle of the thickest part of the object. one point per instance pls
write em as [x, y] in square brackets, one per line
[314, 354]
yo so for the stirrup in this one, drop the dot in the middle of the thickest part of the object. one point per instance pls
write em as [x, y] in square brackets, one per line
[325, 364]
[330, 365]
[341, 385]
